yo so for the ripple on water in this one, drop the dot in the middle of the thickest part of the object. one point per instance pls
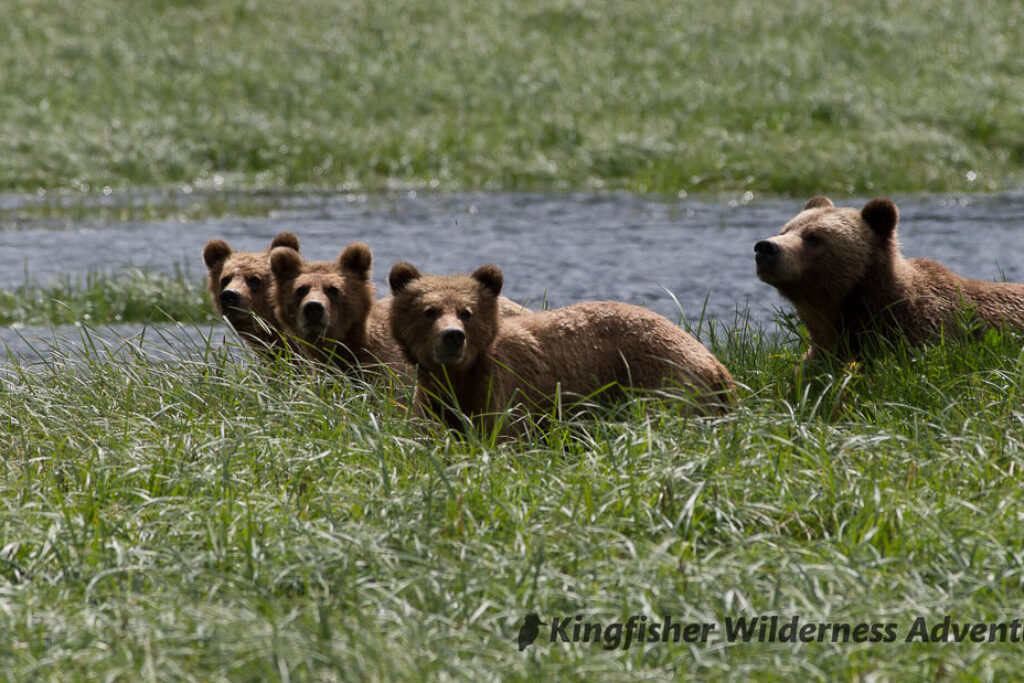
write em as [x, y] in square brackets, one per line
[554, 248]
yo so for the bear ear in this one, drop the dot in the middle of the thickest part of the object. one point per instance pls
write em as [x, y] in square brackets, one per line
[490, 277]
[285, 263]
[356, 258]
[819, 202]
[882, 215]
[285, 239]
[402, 273]
[215, 253]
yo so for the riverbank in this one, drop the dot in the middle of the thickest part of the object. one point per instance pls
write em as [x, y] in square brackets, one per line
[688, 259]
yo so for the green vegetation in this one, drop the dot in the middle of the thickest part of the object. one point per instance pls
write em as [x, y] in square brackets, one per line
[794, 98]
[215, 518]
[67, 208]
[133, 295]
[218, 519]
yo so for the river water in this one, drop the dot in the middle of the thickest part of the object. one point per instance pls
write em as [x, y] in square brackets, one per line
[676, 256]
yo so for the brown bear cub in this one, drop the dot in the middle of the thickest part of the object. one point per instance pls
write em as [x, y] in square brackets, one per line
[843, 271]
[329, 308]
[451, 331]
[239, 283]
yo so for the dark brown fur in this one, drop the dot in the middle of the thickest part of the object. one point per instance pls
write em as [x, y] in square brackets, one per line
[844, 273]
[239, 283]
[450, 329]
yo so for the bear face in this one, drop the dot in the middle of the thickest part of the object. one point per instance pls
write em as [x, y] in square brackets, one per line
[444, 321]
[324, 304]
[823, 253]
[843, 272]
[239, 283]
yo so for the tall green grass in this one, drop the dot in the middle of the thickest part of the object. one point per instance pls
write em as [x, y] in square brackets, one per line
[129, 296]
[212, 518]
[800, 97]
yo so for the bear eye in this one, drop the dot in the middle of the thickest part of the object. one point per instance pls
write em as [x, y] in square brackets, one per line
[225, 281]
[431, 313]
[331, 291]
[254, 281]
[302, 291]
[465, 314]
[812, 240]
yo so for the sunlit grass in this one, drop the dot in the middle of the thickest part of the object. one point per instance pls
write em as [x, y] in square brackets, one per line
[129, 296]
[859, 97]
[202, 516]
[64, 208]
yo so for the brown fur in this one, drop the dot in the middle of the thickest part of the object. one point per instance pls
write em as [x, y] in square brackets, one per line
[450, 329]
[843, 272]
[329, 307]
[239, 283]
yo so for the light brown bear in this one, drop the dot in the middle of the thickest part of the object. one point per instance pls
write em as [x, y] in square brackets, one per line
[330, 309]
[239, 283]
[450, 330]
[843, 271]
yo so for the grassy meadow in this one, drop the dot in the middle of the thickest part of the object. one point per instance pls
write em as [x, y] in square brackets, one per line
[795, 98]
[213, 518]
[204, 516]
[132, 296]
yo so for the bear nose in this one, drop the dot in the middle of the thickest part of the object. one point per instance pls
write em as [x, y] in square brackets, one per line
[229, 298]
[765, 249]
[453, 338]
[312, 310]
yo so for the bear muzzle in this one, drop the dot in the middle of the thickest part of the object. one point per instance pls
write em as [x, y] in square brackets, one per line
[766, 255]
[233, 304]
[450, 346]
[766, 250]
[313, 318]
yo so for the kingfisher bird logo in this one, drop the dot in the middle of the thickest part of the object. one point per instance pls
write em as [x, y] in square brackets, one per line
[528, 633]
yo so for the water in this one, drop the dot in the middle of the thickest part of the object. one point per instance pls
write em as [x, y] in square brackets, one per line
[554, 248]
[116, 343]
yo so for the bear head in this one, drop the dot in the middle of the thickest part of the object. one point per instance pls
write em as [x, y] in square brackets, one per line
[320, 300]
[825, 252]
[239, 281]
[444, 321]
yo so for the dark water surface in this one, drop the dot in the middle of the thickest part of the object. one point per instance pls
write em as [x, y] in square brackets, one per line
[558, 248]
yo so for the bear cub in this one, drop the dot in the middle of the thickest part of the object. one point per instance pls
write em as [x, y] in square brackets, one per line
[843, 272]
[451, 330]
[330, 309]
[239, 283]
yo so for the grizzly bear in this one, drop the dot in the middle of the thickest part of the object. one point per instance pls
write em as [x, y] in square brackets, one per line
[330, 309]
[451, 331]
[239, 283]
[843, 272]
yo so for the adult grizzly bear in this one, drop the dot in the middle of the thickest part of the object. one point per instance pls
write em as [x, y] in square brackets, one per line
[843, 271]
[239, 283]
[450, 330]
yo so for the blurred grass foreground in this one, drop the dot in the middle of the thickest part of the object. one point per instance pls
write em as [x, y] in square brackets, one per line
[859, 97]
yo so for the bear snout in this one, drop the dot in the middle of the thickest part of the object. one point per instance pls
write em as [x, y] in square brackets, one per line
[766, 250]
[313, 316]
[453, 338]
[767, 256]
[451, 344]
[231, 301]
